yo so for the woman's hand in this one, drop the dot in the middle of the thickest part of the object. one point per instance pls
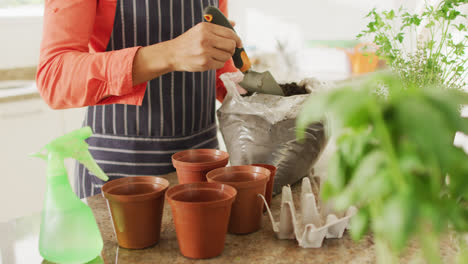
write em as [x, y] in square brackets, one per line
[204, 47]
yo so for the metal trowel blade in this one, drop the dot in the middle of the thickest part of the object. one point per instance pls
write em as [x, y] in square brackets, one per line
[261, 82]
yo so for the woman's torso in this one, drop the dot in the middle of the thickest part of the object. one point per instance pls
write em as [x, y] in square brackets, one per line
[178, 110]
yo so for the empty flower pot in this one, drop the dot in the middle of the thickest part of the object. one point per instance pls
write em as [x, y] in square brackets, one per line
[136, 206]
[249, 181]
[201, 215]
[269, 187]
[193, 164]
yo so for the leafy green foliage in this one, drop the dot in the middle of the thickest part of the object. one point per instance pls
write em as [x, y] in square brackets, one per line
[396, 159]
[434, 59]
[360, 224]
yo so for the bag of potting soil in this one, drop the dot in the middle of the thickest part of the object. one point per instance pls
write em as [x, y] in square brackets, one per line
[260, 128]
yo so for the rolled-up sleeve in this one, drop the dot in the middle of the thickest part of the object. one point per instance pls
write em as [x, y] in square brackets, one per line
[68, 74]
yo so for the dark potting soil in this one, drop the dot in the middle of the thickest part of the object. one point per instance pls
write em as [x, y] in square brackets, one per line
[293, 88]
[289, 89]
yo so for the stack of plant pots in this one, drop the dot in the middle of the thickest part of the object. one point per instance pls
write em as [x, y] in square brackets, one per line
[209, 201]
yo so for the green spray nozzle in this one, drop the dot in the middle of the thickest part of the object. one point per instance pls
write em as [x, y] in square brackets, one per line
[73, 145]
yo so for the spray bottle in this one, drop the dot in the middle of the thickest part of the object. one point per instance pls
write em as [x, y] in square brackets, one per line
[69, 232]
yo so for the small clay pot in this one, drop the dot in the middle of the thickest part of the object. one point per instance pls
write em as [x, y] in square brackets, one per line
[269, 187]
[136, 205]
[249, 181]
[193, 164]
[201, 215]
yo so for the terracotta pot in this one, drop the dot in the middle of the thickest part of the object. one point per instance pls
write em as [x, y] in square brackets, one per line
[201, 216]
[249, 181]
[136, 205]
[193, 164]
[269, 187]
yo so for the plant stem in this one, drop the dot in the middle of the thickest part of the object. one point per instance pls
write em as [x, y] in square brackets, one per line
[454, 74]
[450, 67]
[442, 40]
[433, 53]
[432, 49]
[462, 79]
[387, 145]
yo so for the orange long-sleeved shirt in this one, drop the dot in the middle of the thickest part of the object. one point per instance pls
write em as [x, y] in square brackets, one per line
[74, 69]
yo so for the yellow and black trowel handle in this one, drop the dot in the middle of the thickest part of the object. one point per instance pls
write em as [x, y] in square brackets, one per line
[215, 16]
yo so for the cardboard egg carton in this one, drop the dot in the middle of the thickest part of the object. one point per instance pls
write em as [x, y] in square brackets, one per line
[316, 221]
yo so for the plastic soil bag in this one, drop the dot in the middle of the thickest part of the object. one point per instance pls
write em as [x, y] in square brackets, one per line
[260, 128]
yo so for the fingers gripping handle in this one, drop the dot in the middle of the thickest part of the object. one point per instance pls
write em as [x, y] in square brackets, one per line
[215, 16]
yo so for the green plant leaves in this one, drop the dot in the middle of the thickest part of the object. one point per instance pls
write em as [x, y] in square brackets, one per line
[400, 37]
[409, 161]
[435, 56]
[313, 110]
[451, 112]
[397, 220]
[353, 143]
[419, 121]
[359, 224]
[370, 165]
[336, 173]
[346, 105]
[370, 175]
[426, 127]
[395, 158]
[389, 14]
[460, 27]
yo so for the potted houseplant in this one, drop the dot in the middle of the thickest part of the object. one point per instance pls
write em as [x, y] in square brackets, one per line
[396, 161]
[425, 48]
[395, 157]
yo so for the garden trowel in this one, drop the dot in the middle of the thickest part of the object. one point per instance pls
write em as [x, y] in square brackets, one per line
[259, 82]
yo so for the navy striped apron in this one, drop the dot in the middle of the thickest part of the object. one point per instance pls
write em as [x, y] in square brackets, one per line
[178, 110]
